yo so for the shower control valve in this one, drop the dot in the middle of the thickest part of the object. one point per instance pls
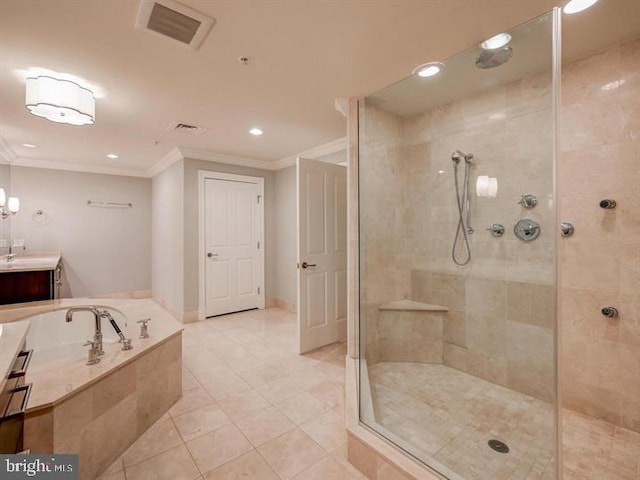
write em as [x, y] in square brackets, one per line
[496, 229]
[609, 312]
[528, 201]
[527, 230]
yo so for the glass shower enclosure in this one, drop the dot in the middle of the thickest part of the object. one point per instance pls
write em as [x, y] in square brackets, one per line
[457, 267]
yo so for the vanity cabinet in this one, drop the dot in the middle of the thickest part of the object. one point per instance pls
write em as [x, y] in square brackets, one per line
[14, 392]
[29, 286]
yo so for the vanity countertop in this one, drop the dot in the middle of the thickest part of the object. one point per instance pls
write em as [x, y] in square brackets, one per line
[30, 262]
[12, 337]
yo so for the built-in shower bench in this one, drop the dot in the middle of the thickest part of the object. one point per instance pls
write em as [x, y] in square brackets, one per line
[410, 331]
[412, 306]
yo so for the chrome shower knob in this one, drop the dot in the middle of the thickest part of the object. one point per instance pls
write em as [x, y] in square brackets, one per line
[609, 312]
[496, 229]
[528, 201]
[566, 229]
[608, 204]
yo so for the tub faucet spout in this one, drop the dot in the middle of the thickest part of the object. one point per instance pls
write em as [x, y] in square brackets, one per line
[97, 336]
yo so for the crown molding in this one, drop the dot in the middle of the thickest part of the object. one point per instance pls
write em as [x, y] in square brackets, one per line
[320, 151]
[174, 155]
[75, 167]
[7, 155]
[208, 156]
[342, 106]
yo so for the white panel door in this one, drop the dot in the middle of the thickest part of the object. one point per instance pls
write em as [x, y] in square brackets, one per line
[322, 253]
[233, 256]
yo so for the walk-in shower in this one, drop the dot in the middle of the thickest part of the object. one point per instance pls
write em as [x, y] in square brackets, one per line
[459, 346]
[463, 201]
[457, 320]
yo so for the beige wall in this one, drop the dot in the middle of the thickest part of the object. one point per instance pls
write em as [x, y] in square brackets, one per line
[286, 247]
[191, 274]
[600, 263]
[104, 250]
[167, 237]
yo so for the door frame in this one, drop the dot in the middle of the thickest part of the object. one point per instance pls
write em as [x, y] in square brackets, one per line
[212, 175]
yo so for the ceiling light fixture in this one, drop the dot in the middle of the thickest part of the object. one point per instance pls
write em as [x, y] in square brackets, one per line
[576, 6]
[497, 41]
[256, 131]
[60, 100]
[112, 156]
[428, 69]
[29, 145]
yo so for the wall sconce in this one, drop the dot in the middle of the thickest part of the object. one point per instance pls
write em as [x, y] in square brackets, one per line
[12, 204]
[61, 101]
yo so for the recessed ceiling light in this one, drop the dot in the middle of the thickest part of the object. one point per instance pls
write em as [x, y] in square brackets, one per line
[575, 6]
[112, 156]
[29, 145]
[256, 131]
[428, 69]
[497, 41]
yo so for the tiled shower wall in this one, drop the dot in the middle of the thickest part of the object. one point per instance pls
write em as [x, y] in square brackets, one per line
[499, 324]
[383, 266]
[600, 263]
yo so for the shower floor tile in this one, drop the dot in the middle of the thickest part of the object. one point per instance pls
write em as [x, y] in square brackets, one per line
[450, 416]
[446, 417]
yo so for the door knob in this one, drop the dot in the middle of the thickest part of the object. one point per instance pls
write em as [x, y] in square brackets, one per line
[212, 254]
[307, 265]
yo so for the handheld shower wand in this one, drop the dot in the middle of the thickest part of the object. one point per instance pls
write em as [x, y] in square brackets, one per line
[463, 201]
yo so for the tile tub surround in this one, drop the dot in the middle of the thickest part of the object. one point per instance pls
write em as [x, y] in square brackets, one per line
[98, 410]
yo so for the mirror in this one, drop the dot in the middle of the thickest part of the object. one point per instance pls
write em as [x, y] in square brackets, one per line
[5, 225]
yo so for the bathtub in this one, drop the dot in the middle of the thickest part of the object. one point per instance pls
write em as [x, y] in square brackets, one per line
[111, 402]
[54, 340]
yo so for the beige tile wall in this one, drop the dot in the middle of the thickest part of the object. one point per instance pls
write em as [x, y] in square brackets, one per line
[383, 265]
[499, 324]
[600, 263]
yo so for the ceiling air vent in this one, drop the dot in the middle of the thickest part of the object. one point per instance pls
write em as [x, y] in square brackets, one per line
[186, 128]
[174, 20]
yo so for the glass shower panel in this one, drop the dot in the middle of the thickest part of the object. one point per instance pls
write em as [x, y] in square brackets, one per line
[457, 261]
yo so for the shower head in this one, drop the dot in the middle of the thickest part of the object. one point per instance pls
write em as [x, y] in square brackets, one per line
[457, 156]
[494, 58]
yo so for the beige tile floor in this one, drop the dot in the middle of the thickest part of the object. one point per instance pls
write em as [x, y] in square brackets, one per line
[252, 408]
[449, 416]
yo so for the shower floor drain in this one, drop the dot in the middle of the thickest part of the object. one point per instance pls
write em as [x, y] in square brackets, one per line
[498, 446]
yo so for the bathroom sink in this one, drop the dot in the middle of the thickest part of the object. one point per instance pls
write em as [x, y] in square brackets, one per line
[30, 262]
